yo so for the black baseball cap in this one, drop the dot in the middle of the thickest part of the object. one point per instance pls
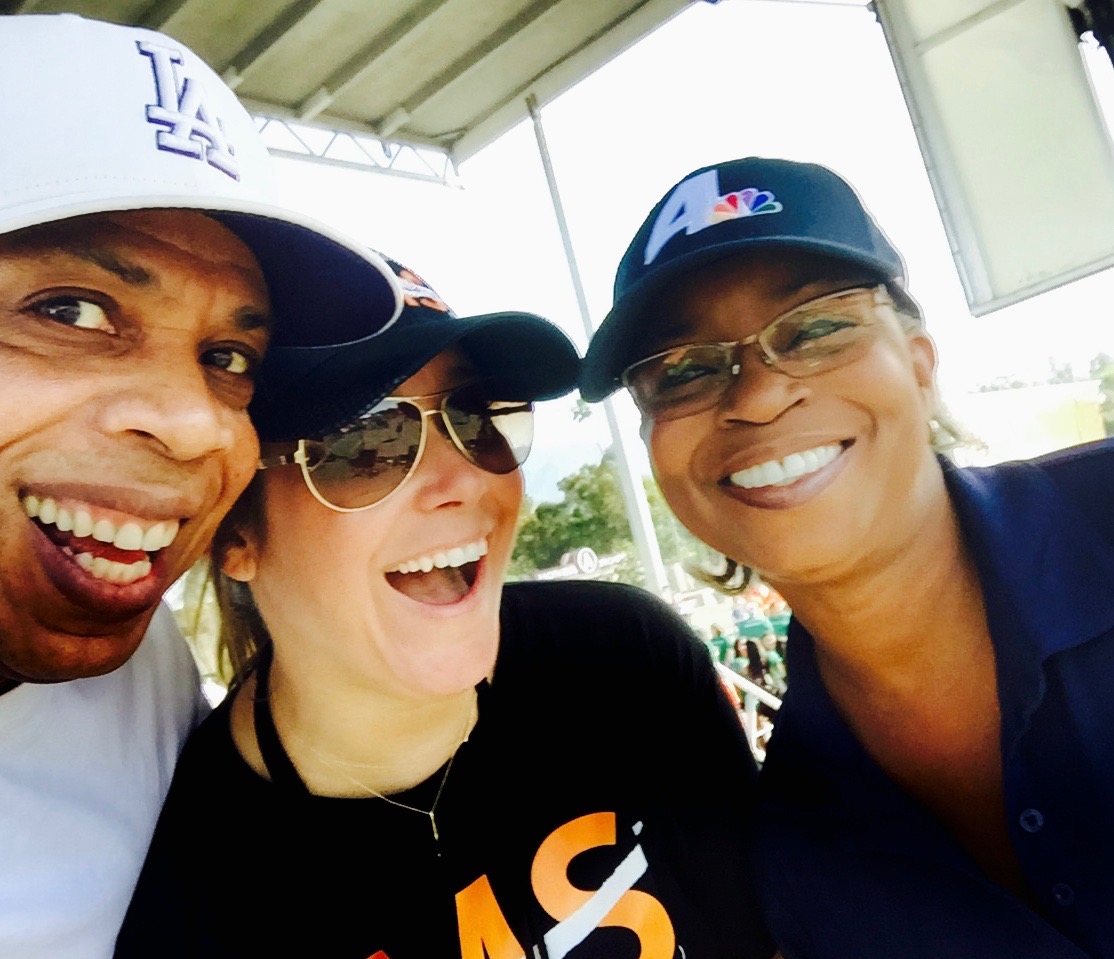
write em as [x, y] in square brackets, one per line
[754, 203]
[308, 392]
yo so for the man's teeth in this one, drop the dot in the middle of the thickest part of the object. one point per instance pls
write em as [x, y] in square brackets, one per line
[130, 535]
[110, 570]
[786, 471]
[457, 556]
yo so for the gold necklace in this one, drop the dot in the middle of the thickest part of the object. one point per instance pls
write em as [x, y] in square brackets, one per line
[431, 813]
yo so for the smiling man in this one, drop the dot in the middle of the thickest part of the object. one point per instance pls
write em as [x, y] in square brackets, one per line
[144, 271]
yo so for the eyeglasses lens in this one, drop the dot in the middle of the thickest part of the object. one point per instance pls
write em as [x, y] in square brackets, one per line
[682, 381]
[804, 343]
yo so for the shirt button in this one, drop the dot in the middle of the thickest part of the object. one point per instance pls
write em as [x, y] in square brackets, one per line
[1031, 820]
[1063, 894]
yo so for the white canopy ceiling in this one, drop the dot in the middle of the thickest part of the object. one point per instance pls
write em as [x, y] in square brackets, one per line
[448, 74]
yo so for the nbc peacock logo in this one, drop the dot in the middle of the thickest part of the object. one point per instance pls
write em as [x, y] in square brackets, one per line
[748, 202]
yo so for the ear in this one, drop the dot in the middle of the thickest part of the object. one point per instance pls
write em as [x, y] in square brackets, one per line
[239, 557]
[922, 351]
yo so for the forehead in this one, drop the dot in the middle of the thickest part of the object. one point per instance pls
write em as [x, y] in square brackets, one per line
[185, 236]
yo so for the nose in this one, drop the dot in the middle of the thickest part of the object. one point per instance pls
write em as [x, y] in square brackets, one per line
[758, 393]
[445, 477]
[170, 403]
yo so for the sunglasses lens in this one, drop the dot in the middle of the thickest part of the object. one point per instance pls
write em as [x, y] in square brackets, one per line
[362, 466]
[494, 434]
[680, 382]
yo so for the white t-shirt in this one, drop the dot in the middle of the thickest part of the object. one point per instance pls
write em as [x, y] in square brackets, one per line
[84, 767]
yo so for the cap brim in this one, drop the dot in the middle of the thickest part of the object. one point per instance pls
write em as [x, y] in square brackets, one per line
[612, 349]
[303, 393]
[325, 288]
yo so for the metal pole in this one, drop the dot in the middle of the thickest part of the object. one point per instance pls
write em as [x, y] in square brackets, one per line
[634, 495]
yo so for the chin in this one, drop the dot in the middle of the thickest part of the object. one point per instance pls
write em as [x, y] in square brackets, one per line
[61, 658]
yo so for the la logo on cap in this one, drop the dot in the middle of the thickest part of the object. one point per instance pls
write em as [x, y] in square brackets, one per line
[696, 204]
[193, 129]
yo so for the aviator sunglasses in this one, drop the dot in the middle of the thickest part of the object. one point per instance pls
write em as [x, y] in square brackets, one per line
[814, 337]
[361, 465]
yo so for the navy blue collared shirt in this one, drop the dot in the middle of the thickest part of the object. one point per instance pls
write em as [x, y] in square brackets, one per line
[851, 867]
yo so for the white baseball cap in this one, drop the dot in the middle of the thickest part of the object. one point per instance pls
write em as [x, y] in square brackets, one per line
[98, 117]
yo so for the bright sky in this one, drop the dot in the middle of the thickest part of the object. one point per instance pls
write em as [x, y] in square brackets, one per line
[792, 78]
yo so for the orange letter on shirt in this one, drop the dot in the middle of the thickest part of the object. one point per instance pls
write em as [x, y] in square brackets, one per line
[484, 933]
[635, 910]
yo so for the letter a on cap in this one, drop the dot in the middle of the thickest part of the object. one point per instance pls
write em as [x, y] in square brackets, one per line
[686, 208]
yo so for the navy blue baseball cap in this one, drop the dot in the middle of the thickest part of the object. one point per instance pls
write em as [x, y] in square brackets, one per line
[309, 392]
[754, 203]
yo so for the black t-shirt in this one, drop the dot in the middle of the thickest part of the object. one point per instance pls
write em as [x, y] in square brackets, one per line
[594, 812]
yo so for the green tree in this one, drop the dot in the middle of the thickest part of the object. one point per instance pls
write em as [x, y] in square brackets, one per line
[592, 513]
[589, 513]
[676, 543]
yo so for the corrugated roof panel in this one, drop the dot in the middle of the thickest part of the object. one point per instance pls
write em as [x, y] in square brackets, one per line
[450, 72]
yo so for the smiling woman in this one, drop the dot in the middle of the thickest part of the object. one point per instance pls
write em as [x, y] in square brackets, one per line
[513, 770]
[786, 385]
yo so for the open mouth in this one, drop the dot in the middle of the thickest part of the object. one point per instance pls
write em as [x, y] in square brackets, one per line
[785, 472]
[441, 578]
[115, 552]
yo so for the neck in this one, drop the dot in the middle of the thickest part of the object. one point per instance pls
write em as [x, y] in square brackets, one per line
[876, 625]
[7, 685]
[339, 736]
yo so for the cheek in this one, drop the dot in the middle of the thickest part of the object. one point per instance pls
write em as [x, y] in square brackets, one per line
[309, 557]
[672, 447]
[243, 456]
[895, 395]
[505, 495]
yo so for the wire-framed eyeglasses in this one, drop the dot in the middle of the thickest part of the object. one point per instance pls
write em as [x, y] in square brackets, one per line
[813, 337]
[361, 465]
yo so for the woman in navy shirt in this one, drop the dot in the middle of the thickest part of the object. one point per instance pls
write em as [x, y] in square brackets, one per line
[940, 773]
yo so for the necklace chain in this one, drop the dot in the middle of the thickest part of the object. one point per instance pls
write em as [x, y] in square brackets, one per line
[430, 813]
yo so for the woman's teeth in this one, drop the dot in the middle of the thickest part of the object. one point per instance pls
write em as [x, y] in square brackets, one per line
[786, 471]
[130, 535]
[457, 556]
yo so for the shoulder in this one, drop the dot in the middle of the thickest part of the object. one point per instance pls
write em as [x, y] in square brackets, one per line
[164, 671]
[165, 647]
[1081, 469]
[591, 603]
[1085, 462]
[1082, 476]
[210, 761]
[156, 694]
[569, 621]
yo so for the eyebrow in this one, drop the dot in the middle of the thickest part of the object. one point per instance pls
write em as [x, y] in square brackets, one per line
[249, 319]
[110, 262]
[49, 241]
[669, 328]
